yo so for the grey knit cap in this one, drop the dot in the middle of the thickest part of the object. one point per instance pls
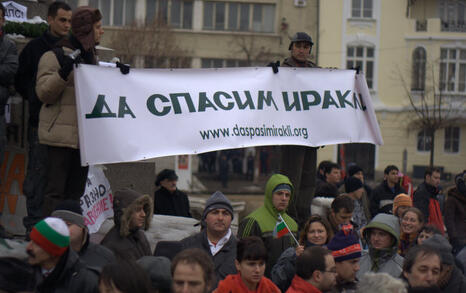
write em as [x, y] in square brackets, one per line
[158, 268]
[217, 201]
[442, 246]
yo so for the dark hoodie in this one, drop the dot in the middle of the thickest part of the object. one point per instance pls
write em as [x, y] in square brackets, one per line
[125, 242]
[263, 220]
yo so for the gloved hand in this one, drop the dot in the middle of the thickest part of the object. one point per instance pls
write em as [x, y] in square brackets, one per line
[67, 67]
[124, 69]
[274, 66]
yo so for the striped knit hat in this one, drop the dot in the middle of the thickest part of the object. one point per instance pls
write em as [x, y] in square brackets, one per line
[345, 244]
[52, 235]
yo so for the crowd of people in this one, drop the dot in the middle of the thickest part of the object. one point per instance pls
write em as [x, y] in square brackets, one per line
[357, 239]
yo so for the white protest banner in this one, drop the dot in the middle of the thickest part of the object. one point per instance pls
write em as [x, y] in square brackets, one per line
[15, 11]
[97, 201]
[152, 113]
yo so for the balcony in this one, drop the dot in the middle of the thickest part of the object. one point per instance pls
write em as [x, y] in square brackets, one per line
[453, 26]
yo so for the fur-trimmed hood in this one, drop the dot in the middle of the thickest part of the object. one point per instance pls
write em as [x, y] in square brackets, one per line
[125, 203]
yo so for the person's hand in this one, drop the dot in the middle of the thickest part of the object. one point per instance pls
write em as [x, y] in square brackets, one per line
[299, 250]
[124, 69]
[67, 67]
[274, 66]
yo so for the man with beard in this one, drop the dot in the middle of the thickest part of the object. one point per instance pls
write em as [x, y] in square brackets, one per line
[346, 251]
[421, 269]
[57, 268]
[315, 271]
[216, 238]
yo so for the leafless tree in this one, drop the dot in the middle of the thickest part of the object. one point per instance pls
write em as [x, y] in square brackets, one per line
[249, 47]
[155, 42]
[432, 108]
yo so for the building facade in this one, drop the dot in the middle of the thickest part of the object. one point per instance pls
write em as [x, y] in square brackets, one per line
[409, 51]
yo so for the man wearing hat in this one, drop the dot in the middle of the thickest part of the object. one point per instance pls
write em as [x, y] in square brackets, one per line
[216, 238]
[92, 254]
[57, 268]
[262, 221]
[168, 199]
[58, 127]
[346, 250]
[451, 278]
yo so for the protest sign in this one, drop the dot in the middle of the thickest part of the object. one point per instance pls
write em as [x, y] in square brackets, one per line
[97, 201]
[152, 113]
[15, 11]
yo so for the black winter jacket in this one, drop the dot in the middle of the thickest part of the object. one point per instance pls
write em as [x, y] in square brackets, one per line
[8, 67]
[224, 260]
[171, 204]
[25, 79]
[96, 255]
[422, 196]
[382, 198]
[69, 276]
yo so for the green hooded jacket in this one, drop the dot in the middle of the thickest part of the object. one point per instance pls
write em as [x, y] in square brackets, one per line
[263, 220]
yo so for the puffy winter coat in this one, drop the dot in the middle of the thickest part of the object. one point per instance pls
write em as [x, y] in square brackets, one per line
[125, 242]
[234, 284]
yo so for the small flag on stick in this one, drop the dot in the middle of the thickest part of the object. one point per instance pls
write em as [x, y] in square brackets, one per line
[281, 229]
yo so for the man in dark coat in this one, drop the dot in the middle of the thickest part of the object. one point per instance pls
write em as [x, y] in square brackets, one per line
[132, 214]
[455, 213]
[384, 194]
[92, 254]
[425, 198]
[168, 199]
[59, 20]
[57, 267]
[299, 162]
[216, 238]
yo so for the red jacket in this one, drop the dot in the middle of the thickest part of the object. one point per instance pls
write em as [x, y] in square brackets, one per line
[234, 284]
[298, 285]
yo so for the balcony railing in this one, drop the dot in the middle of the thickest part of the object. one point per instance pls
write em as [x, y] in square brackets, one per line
[453, 26]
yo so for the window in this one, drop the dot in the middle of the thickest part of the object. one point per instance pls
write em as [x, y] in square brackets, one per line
[452, 140]
[453, 70]
[219, 63]
[362, 57]
[424, 141]
[115, 12]
[234, 16]
[166, 62]
[361, 8]
[452, 14]
[176, 13]
[419, 69]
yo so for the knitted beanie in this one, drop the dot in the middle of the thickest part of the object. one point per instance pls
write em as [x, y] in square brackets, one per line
[70, 211]
[52, 235]
[217, 201]
[345, 244]
[281, 187]
[352, 184]
[401, 199]
[442, 246]
[353, 170]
